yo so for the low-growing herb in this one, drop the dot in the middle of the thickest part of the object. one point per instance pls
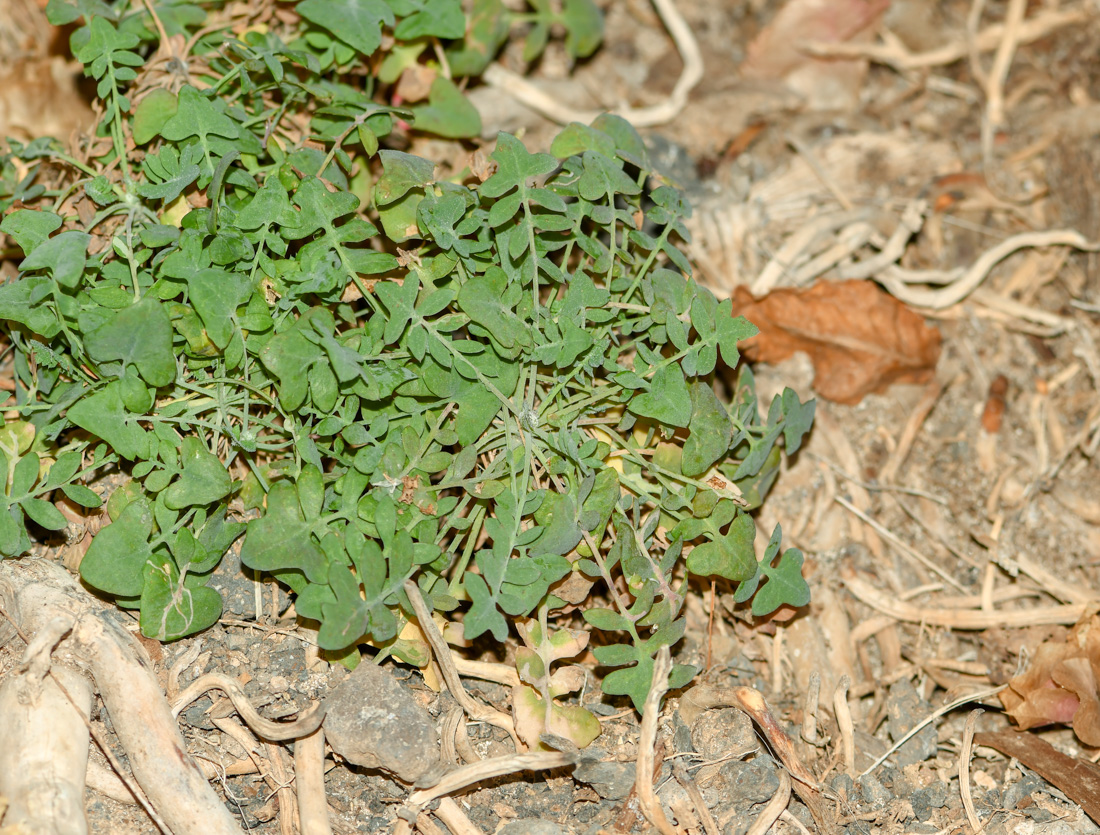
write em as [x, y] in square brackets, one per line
[500, 383]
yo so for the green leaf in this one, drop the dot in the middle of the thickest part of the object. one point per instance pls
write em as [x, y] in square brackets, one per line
[197, 115]
[103, 414]
[401, 173]
[115, 559]
[483, 615]
[289, 356]
[561, 531]
[710, 428]
[632, 681]
[399, 300]
[730, 555]
[174, 606]
[45, 514]
[490, 301]
[730, 331]
[13, 533]
[204, 479]
[577, 138]
[785, 583]
[139, 335]
[606, 619]
[282, 538]
[83, 496]
[447, 113]
[515, 166]
[487, 28]
[216, 295]
[23, 301]
[152, 113]
[797, 420]
[29, 228]
[63, 255]
[583, 22]
[428, 18]
[667, 401]
[358, 23]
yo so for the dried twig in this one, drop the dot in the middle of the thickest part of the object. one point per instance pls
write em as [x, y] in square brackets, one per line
[893, 539]
[643, 773]
[929, 719]
[775, 807]
[690, 786]
[442, 652]
[913, 425]
[976, 274]
[309, 778]
[844, 725]
[1066, 615]
[964, 771]
[276, 731]
[899, 58]
[531, 96]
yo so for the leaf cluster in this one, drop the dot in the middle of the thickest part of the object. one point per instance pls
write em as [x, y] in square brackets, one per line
[505, 388]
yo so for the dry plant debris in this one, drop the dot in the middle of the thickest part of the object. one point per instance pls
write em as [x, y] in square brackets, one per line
[1060, 685]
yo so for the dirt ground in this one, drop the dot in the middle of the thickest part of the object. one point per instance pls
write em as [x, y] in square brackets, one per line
[951, 521]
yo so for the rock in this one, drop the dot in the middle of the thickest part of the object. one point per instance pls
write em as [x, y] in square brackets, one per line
[748, 782]
[532, 826]
[932, 796]
[719, 733]
[681, 735]
[875, 795]
[374, 722]
[904, 709]
[1016, 791]
[610, 780]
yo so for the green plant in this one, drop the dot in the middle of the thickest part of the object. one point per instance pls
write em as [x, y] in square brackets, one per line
[514, 407]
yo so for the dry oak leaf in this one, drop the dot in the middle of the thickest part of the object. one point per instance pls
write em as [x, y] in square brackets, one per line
[1060, 685]
[859, 338]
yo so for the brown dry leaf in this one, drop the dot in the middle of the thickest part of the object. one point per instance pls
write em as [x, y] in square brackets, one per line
[776, 53]
[1060, 685]
[860, 338]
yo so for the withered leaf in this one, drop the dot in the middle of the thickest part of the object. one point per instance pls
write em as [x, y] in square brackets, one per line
[859, 338]
[1060, 685]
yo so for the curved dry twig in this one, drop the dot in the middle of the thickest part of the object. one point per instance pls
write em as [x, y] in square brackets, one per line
[541, 102]
[970, 280]
[443, 656]
[306, 724]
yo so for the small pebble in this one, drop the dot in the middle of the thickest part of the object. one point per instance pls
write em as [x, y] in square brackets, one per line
[610, 780]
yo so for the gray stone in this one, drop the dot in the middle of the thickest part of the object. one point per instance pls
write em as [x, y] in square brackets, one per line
[610, 780]
[532, 826]
[875, 795]
[681, 735]
[932, 796]
[1016, 791]
[904, 709]
[748, 782]
[374, 722]
[718, 733]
